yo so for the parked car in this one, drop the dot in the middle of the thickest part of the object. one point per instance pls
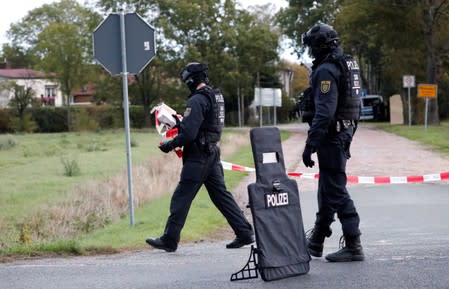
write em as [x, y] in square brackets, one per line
[372, 107]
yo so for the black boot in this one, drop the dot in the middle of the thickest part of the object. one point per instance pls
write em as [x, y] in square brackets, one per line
[352, 250]
[158, 243]
[240, 242]
[315, 240]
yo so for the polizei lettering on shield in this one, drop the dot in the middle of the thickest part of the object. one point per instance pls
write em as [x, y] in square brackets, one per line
[276, 199]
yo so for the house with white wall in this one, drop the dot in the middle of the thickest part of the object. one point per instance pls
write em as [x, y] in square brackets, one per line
[44, 88]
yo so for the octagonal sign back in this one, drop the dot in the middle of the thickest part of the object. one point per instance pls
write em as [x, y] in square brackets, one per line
[139, 39]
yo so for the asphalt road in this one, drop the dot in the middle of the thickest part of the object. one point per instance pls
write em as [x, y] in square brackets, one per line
[405, 237]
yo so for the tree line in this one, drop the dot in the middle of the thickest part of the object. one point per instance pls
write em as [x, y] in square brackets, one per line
[389, 38]
[236, 43]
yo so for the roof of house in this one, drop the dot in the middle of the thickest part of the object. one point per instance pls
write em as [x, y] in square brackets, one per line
[21, 73]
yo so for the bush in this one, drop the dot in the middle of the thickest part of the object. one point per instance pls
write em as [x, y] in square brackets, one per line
[5, 125]
[50, 119]
[134, 143]
[136, 116]
[54, 119]
[82, 121]
[7, 142]
[108, 117]
[71, 167]
[285, 113]
[26, 124]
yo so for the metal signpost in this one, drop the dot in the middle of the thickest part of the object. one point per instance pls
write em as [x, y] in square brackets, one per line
[274, 108]
[428, 91]
[124, 44]
[271, 97]
[408, 82]
[260, 100]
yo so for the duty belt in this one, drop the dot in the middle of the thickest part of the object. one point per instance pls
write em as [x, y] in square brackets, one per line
[206, 147]
[344, 124]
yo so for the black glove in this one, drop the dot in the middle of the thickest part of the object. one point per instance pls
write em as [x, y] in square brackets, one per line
[177, 121]
[307, 156]
[166, 146]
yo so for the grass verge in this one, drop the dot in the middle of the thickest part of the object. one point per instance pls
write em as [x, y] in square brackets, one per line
[114, 235]
[435, 136]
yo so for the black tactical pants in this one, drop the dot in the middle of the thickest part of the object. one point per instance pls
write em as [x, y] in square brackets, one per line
[205, 169]
[332, 194]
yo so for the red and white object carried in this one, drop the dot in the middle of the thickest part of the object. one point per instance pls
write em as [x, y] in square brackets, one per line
[165, 122]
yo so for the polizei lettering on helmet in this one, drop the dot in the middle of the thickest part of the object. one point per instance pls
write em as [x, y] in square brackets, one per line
[276, 199]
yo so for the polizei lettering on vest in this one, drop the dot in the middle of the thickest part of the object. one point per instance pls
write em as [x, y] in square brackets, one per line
[352, 65]
[276, 199]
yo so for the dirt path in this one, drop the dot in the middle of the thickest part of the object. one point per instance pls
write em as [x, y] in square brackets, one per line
[374, 153]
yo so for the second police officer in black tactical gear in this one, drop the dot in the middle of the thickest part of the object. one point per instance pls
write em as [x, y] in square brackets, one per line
[199, 132]
[332, 107]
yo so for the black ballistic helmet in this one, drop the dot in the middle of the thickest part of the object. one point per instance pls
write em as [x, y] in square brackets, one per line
[193, 74]
[321, 39]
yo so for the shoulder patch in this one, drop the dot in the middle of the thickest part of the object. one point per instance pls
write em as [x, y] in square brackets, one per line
[187, 111]
[325, 86]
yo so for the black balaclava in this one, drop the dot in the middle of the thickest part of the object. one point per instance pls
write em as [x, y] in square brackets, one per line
[193, 74]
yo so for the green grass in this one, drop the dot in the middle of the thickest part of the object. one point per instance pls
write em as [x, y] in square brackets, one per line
[31, 173]
[53, 248]
[150, 219]
[203, 217]
[435, 136]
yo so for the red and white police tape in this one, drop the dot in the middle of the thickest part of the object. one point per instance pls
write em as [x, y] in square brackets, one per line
[444, 176]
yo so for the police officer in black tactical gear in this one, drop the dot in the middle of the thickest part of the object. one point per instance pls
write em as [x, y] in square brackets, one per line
[334, 101]
[199, 134]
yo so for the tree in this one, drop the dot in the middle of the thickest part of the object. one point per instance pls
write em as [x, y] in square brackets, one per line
[420, 47]
[300, 15]
[23, 97]
[149, 84]
[107, 89]
[300, 78]
[433, 22]
[412, 38]
[58, 36]
[16, 57]
[235, 43]
[25, 33]
[60, 55]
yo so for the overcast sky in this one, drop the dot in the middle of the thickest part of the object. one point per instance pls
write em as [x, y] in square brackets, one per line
[14, 10]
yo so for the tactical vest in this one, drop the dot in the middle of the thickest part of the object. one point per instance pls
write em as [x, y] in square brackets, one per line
[210, 131]
[350, 90]
[348, 94]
